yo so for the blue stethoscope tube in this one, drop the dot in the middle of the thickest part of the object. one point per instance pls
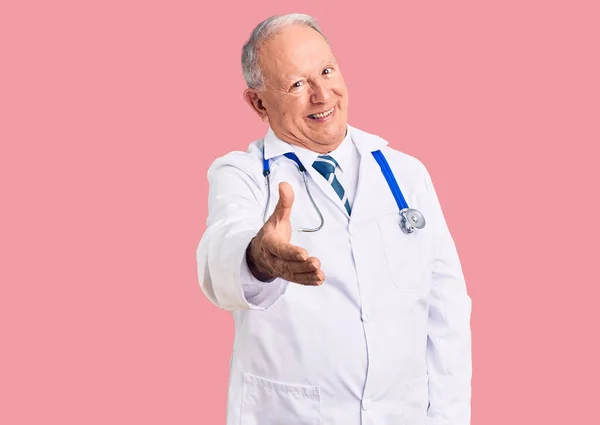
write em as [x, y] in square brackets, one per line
[410, 218]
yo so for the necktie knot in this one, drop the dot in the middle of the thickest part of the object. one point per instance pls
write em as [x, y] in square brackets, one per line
[326, 165]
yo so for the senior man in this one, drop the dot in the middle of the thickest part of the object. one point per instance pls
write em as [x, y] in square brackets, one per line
[341, 316]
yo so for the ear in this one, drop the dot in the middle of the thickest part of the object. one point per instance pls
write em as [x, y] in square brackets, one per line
[254, 99]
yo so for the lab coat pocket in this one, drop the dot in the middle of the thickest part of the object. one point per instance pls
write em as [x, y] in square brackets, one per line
[416, 401]
[409, 256]
[267, 402]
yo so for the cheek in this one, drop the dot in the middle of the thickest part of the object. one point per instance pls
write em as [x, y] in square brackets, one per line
[297, 111]
[342, 89]
[286, 109]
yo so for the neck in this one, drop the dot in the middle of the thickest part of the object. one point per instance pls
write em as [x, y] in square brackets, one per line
[319, 148]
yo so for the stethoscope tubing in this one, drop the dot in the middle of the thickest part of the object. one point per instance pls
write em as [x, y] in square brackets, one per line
[314, 204]
[391, 180]
[407, 214]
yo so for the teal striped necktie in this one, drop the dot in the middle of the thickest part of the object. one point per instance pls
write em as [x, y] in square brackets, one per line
[326, 166]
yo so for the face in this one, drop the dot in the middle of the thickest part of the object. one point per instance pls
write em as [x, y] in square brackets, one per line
[304, 97]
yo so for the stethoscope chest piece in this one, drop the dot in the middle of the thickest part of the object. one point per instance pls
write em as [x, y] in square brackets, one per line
[411, 219]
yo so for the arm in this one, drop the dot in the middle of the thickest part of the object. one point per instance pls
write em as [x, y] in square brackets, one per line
[237, 249]
[235, 216]
[449, 334]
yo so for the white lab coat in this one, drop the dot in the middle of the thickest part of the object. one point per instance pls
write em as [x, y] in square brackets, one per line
[384, 341]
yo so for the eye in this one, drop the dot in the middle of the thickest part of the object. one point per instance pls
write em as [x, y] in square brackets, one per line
[328, 70]
[297, 84]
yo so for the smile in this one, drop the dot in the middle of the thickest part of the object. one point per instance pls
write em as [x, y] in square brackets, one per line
[321, 115]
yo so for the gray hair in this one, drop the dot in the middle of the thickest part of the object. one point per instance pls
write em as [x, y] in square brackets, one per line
[263, 31]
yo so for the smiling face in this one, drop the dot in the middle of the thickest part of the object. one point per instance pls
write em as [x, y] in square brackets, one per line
[304, 97]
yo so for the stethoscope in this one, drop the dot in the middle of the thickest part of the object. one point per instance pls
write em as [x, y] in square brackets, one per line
[410, 218]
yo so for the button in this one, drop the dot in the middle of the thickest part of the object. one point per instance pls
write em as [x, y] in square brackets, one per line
[366, 404]
[351, 229]
[365, 317]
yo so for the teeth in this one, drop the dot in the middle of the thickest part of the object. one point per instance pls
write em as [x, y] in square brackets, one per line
[323, 114]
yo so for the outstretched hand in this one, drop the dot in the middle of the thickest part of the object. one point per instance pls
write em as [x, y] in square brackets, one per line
[271, 255]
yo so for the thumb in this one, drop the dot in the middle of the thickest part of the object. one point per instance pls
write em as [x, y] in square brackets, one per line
[283, 208]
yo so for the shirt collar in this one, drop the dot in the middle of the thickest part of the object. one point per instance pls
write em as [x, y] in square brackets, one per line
[343, 153]
[274, 146]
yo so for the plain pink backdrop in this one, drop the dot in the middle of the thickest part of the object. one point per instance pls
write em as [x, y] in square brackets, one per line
[112, 111]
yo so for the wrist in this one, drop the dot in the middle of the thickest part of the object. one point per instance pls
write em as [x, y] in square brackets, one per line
[259, 274]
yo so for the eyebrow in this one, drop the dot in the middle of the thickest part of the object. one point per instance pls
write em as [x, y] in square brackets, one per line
[293, 77]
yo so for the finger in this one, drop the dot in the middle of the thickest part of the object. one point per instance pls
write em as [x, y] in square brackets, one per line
[308, 279]
[287, 251]
[315, 261]
[283, 209]
[285, 267]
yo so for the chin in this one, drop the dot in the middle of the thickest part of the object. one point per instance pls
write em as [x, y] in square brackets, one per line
[333, 134]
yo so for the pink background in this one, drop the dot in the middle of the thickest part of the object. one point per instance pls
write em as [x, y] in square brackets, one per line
[112, 111]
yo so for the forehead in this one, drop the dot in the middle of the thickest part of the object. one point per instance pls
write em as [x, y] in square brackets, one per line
[294, 50]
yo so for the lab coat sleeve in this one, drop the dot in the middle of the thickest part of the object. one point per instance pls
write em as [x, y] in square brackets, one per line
[448, 331]
[235, 215]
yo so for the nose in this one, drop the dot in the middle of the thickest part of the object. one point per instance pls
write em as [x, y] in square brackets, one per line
[320, 93]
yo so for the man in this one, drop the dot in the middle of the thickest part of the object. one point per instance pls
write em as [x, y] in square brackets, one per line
[346, 320]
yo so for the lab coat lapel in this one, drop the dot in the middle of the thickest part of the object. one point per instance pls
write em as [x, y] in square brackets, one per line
[370, 178]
